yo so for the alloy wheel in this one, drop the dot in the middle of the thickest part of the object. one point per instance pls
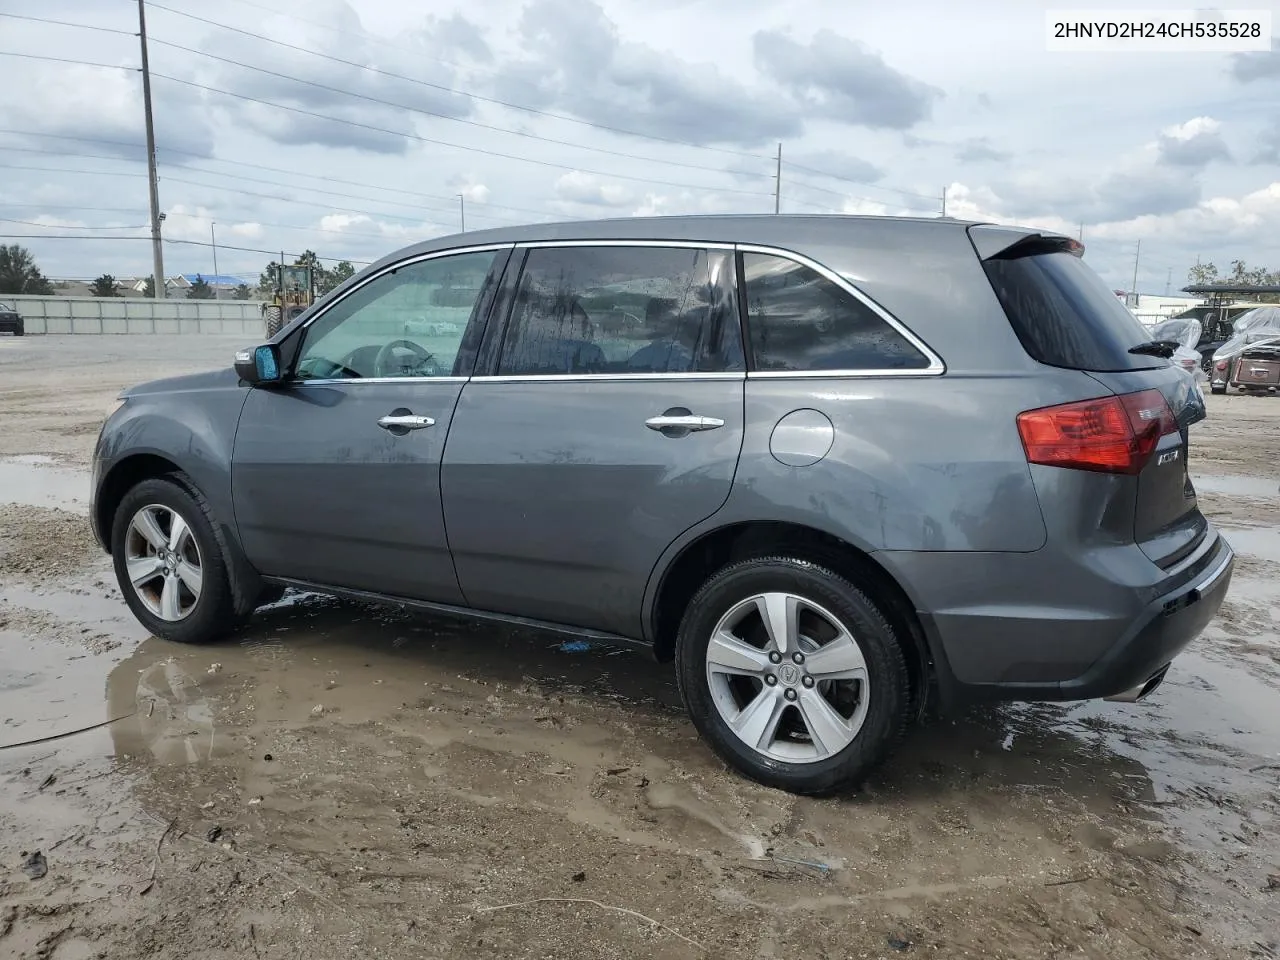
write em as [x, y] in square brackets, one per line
[788, 678]
[163, 562]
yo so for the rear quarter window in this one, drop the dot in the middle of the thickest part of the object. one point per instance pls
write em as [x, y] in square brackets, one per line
[1065, 316]
[798, 320]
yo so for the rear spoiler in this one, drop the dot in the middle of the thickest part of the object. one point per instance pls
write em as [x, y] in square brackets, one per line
[994, 242]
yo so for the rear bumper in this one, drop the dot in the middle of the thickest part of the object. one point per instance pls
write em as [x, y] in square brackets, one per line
[1024, 651]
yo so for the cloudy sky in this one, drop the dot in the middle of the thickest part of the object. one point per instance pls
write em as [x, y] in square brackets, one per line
[273, 129]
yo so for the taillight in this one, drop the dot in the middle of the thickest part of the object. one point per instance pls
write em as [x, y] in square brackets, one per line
[1109, 434]
[1221, 365]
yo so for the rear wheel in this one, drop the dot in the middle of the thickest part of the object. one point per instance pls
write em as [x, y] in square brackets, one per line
[1217, 389]
[793, 674]
[169, 564]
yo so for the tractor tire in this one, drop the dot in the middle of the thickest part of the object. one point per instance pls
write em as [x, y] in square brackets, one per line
[274, 321]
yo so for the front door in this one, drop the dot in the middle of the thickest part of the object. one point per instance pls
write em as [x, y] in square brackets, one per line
[336, 474]
[611, 423]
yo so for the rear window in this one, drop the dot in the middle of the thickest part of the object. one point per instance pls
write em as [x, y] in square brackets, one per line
[1065, 315]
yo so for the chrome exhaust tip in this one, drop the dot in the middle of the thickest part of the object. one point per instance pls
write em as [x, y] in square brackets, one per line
[1141, 691]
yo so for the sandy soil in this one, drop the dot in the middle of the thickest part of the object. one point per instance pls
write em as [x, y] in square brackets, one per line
[344, 781]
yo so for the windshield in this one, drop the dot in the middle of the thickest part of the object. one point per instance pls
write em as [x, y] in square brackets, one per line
[1186, 332]
[1261, 323]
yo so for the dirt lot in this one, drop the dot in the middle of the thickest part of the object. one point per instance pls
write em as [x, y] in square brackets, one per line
[342, 781]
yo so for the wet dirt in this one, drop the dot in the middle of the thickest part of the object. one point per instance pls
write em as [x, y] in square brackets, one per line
[341, 780]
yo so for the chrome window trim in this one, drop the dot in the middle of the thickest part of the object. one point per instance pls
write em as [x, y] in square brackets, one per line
[607, 377]
[935, 368]
[353, 380]
[675, 244]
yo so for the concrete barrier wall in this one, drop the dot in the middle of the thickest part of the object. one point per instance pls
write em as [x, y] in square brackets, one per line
[121, 315]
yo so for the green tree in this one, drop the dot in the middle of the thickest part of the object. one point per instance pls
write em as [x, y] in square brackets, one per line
[1241, 273]
[1203, 273]
[267, 279]
[19, 273]
[104, 286]
[149, 287]
[242, 292]
[200, 289]
[327, 280]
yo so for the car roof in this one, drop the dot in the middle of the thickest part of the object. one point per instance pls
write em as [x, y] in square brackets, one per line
[783, 230]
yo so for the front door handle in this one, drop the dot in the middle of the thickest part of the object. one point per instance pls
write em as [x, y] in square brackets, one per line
[688, 422]
[404, 421]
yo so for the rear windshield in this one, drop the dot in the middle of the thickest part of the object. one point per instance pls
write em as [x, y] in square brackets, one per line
[1065, 315]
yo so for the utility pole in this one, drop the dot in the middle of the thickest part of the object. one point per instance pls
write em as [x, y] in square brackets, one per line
[462, 210]
[214, 236]
[1134, 289]
[944, 201]
[1081, 235]
[777, 183]
[1168, 284]
[153, 178]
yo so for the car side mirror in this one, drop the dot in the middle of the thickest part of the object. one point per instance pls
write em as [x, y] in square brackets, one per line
[259, 365]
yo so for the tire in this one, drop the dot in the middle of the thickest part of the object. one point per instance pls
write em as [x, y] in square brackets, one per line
[1213, 389]
[167, 604]
[874, 709]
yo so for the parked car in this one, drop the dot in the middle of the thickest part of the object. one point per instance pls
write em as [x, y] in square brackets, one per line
[835, 468]
[1257, 328]
[11, 321]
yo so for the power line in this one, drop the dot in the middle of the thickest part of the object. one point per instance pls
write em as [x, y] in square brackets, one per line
[407, 136]
[58, 226]
[227, 246]
[270, 183]
[67, 23]
[847, 179]
[78, 63]
[443, 116]
[426, 83]
[86, 236]
[445, 143]
[400, 192]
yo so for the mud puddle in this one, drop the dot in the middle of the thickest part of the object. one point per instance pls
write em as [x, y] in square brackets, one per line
[39, 481]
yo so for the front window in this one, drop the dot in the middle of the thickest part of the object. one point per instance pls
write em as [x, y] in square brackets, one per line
[406, 323]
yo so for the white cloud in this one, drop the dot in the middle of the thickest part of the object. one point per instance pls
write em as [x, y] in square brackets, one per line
[586, 188]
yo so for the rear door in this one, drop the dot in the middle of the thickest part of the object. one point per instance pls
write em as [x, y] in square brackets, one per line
[609, 422]
[1067, 317]
[336, 474]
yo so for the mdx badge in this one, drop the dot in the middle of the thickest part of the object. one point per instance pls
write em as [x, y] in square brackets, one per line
[1168, 457]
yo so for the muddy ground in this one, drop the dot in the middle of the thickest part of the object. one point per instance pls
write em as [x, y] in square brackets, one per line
[341, 781]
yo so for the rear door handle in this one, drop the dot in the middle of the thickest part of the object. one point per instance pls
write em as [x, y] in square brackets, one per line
[406, 421]
[687, 422]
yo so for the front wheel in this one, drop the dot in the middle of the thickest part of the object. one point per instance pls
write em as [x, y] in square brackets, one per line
[792, 674]
[169, 563]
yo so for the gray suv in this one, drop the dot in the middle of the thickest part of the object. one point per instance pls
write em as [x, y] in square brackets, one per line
[835, 467]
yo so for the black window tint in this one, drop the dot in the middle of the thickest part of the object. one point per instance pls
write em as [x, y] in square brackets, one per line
[621, 310]
[1065, 315]
[800, 320]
